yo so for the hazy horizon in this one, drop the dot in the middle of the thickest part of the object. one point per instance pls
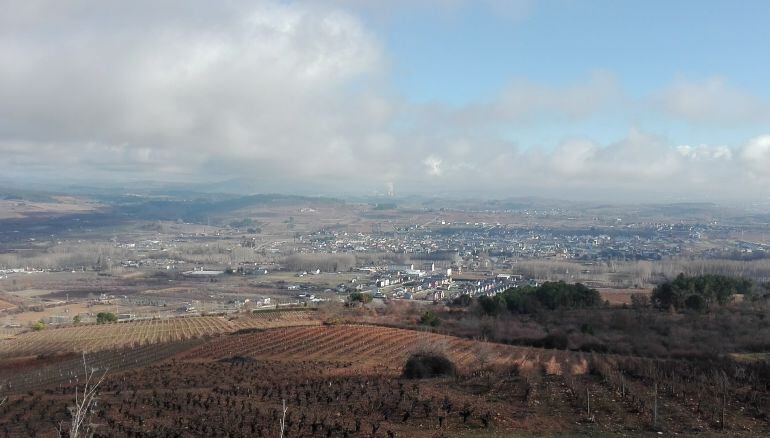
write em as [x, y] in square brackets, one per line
[652, 102]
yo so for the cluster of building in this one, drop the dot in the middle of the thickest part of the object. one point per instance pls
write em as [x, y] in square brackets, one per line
[461, 243]
[431, 284]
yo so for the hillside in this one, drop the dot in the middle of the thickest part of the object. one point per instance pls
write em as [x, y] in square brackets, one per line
[346, 381]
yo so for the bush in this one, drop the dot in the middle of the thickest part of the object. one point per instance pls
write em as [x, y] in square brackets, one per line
[360, 297]
[491, 305]
[428, 365]
[430, 318]
[639, 301]
[237, 360]
[105, 317]
[695, 303]
[463, 300]
[40, 325]
[556, 340]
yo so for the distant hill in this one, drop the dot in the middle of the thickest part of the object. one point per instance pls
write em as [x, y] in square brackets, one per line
[204, 206]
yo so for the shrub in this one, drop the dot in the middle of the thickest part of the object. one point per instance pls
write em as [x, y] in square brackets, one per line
[40, 325]
[695, 303]
[430, 318]
[491, 305]
[237, 360]
[105, 317]
[463, 300]
[556, 340]
[639, 301]
[360, 297]
[428, 365]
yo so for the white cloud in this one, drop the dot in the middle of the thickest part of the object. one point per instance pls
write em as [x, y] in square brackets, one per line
[261, 85]
[755, 155]
[639, 167]
[296, 94]
[712, 101]
[526, 100]
[705, 152]
[432, 165]
[511, 10]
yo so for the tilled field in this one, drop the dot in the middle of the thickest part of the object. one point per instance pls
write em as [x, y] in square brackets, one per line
[92, 338]
[345, 381]
[382, 348]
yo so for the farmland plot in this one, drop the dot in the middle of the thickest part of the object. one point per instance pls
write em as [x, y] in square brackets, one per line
[382, 347]
[92, 338]
[346, 381]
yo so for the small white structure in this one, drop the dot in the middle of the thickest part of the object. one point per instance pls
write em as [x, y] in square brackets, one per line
[202, 273]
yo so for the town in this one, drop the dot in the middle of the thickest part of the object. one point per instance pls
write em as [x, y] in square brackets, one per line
[289, 256]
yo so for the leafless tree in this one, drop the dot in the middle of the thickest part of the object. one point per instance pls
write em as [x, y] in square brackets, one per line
[85, 401]
[655, 404]
[588, 404]
[324, 262]
[283, 418]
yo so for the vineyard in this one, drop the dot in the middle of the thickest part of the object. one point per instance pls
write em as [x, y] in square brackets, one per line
[381, 347]
[9, 332]
[264, 319]
[346, 381]
[68, 370]
[92, 338]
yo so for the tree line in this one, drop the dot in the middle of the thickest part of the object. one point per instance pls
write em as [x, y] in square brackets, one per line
[701, 292]
[551, 295]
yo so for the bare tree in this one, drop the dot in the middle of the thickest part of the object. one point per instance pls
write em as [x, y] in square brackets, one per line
[655, 404]
[283, 418]
[588, 404]
[323, 261]
[484, 355]
[85, 401]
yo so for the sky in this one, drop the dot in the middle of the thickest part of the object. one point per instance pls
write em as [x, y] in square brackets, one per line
[653, 101]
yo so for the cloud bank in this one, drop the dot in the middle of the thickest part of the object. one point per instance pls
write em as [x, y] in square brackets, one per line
[296, 97]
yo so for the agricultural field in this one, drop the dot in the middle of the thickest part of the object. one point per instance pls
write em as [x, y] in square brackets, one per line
[58, 309]
[48, 370]
[5, 305]
[347, 381]
[370, 347]
[265, 319]
[57, 206]
[322, 280]
[9, 332]
[92, 338]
